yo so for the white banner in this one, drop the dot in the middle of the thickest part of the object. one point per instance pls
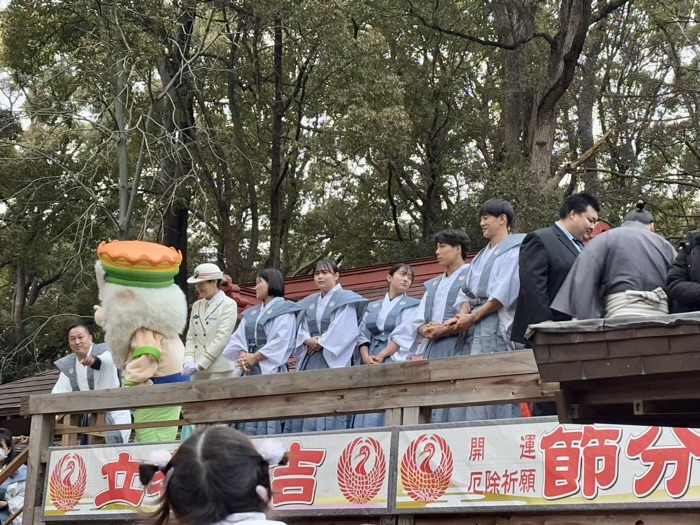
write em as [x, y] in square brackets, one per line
[325, 471]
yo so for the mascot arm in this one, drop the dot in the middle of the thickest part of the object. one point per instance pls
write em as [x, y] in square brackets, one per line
[146, 348]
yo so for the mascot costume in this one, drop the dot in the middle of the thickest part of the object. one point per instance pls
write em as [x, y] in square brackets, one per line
[143, 314]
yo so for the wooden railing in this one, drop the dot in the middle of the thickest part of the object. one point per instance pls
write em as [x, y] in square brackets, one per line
[405, 391]
[7, 472]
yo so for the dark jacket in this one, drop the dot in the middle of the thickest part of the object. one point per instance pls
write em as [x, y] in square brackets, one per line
[683, 281]
[546, 256]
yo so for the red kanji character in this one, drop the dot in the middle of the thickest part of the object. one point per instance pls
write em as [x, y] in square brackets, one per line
[122, 477]
[510, 481]
[527, 480]
[658, 459]
[477, 449]
[476, 483]
[562, 462]
[527, 446]
[493, 482]
[295, 483]
[601, 453]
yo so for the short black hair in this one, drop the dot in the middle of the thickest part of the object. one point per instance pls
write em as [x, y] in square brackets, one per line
[454, 238]
[579, 203]
[81, 324]
[212, 475]
[275, 281]
[326, 264]
[402, 266]
[6, 439]
[497, 207]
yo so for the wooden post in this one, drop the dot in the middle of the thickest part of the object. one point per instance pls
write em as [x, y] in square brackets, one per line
[72, 420]
[42, 431]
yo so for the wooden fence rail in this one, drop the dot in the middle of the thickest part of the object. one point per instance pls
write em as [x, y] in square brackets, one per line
[405, 391]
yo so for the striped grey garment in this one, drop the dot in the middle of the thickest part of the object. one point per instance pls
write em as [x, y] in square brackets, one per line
[636, 304]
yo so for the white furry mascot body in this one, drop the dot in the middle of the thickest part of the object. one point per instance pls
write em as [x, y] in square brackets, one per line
[143, 313]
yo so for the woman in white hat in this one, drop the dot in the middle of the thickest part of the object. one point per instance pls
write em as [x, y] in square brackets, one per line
[212, 322]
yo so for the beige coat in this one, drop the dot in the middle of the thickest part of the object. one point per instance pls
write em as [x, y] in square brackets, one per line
[207, 336]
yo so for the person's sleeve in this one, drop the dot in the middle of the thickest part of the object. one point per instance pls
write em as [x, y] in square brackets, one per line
[227, 322]
[341, 336]
[533, 272]
[504, 282]
[679, 286]
[15, 497]
[280, 339]
[365, 336]
[579, 296]
[405, 332]
[461, 299]
[62, 385]
[237, 343]
[189, 341]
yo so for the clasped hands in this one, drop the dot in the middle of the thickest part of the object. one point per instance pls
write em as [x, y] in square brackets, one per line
[459, 323]
[313, 345]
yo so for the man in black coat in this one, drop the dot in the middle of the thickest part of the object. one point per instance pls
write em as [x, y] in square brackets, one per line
[683, 281]
[546, 256]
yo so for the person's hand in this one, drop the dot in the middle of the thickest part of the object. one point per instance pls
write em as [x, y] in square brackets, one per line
[189, 368]
[436, 332]
[3, 504]
[247, 361]
[368, 360]
[88, 360]
[379, 358]
[428, 329]
[417, 357]
[313, 345]
[461, 322]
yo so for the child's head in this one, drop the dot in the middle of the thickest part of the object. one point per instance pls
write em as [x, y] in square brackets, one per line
[215, 473]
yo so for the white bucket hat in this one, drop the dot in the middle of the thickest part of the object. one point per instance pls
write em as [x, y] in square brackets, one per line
[206, 272]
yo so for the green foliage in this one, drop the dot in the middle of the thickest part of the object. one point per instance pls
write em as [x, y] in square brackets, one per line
[384, 131]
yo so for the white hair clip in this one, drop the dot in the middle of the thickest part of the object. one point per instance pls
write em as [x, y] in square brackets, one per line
[272, 451]
[160, 458]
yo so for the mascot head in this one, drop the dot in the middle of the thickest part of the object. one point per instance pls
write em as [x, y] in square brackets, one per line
[137, 290]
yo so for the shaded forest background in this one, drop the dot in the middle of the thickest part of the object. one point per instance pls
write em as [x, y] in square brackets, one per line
[273, 133]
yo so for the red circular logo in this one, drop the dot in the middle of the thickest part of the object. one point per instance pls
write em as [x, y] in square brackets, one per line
[361, 470]
[426, 468]
[68, 482]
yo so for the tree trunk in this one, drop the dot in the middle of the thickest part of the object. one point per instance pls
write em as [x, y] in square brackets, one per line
[585, 105]
[276, 178]
[177, 117]
[19, 301]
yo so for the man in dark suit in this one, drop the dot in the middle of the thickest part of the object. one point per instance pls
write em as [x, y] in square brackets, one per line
[546, 256]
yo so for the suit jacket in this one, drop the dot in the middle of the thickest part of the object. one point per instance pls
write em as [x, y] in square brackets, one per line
[209, 331]
[546, 256]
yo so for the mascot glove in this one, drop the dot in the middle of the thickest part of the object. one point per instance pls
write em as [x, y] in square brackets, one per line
[189, 368]
[100, 316]
[141, 369]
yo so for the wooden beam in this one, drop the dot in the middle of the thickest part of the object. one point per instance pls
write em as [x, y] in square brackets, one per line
[502, 365]
[483, 391]
[19, 460]
[42, 431]
[560, 518]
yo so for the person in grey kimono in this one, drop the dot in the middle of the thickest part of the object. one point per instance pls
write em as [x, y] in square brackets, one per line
[381, 340]
[12, 489]
[265, 339]
[488, 295]
[327, 336]
[437, 304]
[91, 367]
[621, 273]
